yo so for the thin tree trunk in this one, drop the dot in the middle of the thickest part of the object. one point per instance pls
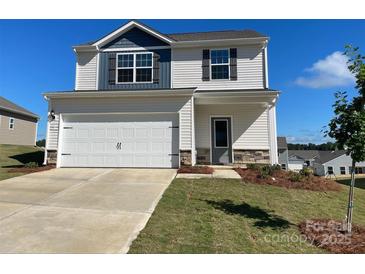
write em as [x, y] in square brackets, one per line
[351, 199]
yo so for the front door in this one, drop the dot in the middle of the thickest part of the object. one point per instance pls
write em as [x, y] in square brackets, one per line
[221, 140]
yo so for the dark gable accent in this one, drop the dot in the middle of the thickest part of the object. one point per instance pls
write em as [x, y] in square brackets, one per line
[161, 71]
[233, 63]
[206, 65]
[135, 38]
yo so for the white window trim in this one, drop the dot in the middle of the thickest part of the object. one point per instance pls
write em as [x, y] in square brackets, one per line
[11, 123]
[225, 64]
[215, 141]
[134, 68]
[342, 168]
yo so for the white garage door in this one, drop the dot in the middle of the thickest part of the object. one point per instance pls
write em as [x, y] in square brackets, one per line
[138, 140]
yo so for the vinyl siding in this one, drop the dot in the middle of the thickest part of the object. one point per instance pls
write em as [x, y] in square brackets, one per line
[117, 105]
[86, 71]
[24, 132]
[187, 69]
[185, 126]
[342, 161]
[249, 125]
[135, 38]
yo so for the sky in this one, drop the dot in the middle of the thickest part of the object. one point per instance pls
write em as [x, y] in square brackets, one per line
[305, 63]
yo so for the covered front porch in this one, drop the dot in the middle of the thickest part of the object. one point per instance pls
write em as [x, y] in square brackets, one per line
[234, 127]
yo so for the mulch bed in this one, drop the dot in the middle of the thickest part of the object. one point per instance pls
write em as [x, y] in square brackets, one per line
[331, 235]
[281, 178]
[30, 169]
[196, 170]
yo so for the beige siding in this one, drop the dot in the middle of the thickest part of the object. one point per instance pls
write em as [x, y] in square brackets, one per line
[86, 71]
[120, 105]
[185, 125]
[24, 132]
[249, 125]
[187, 69]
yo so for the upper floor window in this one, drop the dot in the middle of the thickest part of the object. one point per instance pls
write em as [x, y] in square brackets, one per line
[134, 68]
[11, 123]
[219, 62]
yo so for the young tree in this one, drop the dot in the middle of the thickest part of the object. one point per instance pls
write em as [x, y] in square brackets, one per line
[348, 125]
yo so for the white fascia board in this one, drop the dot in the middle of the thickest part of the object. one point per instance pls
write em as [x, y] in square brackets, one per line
[127, 27]
[237, 97]
[85, 48]
[113, 94]
[221, 42]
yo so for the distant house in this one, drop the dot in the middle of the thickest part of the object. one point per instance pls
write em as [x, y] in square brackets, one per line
[18, 126]
[336, 163]
[282, 152]
[323, 163]
[298, 159]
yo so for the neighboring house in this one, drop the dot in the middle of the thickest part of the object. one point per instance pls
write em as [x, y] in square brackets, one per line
[298, 159]
[147, 99]
[18, 126]
[283, 153]
[335, 163]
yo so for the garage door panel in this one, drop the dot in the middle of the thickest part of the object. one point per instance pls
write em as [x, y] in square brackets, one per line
[129, 141]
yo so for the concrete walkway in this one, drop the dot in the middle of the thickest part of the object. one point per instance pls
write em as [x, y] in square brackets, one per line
[78, 210]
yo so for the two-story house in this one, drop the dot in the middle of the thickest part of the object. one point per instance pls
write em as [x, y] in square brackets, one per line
[147, 99]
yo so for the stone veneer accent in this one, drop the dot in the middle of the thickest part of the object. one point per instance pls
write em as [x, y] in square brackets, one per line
[243, 156]
[203, 156]
[185, 157]
[51, 156]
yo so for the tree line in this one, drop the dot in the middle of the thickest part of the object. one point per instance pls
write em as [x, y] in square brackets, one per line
[310, 146]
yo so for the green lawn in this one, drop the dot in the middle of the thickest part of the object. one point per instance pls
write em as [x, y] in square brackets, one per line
[228, 216]
[14, 156]
[359, 182]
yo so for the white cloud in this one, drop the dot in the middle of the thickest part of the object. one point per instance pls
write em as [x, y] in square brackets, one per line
[306, 136]
[326, 73]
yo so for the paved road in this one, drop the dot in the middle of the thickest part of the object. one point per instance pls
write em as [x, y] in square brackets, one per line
[78, 210]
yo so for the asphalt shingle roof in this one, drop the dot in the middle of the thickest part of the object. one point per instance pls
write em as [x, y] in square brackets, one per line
[325, 156]
[304, 154]
[200, 36]
[11, 107]
[215, 35]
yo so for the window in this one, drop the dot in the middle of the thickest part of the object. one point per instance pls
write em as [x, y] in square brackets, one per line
[134, 67]
[11, 123]
[283, 166]
[219, 62]
[221, 133]
[330, 170]
[343, 170]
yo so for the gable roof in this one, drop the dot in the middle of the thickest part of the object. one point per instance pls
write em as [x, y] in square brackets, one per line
[304, 154]
[11, 107]
[175, 38]
[216, 35]
[326, 156]
[282, 143]
[124, 28]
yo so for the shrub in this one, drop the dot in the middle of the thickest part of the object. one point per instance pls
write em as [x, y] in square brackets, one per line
[295, 177]
[306, 171]
[31, 165]
[253, 166]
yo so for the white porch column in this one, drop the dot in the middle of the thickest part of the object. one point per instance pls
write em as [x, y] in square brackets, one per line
[273, 135]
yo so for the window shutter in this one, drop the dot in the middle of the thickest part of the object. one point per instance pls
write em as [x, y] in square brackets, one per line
[156, 68]
[112, 68]
[206, 64]
[233, 63]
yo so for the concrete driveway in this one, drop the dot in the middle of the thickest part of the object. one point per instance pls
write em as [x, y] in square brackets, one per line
[78, 210]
